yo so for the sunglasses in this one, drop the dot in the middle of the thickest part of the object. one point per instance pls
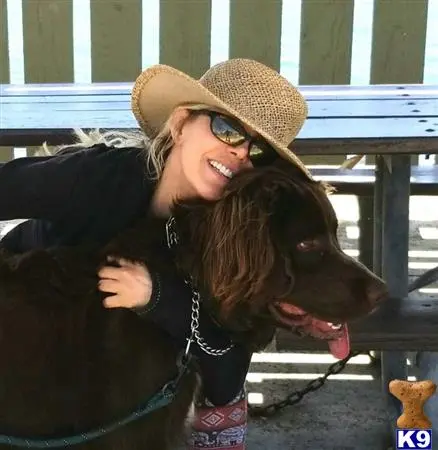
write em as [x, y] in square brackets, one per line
[232, 133]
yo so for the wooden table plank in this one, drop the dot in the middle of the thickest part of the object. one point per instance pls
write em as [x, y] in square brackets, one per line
[317, 109]
[419, 174]
[351, 128]
[24, 90]
[366, 146]
[92, 99]
[381, 91]
[342, 119]
[328, 128]
[361, 181]
[340, 146]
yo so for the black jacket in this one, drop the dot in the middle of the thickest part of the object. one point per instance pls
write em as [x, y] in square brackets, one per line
[89, 196]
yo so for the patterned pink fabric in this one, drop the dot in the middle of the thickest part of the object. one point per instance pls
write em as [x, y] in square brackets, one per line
[220, 427]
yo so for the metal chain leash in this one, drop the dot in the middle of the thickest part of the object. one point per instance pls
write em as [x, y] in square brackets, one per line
[195, 330]
[195, 336]
[296, 396]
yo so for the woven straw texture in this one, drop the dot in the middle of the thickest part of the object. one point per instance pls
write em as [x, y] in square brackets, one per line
[255, 94]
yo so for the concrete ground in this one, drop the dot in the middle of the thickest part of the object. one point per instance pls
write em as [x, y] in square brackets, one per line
[346, 413]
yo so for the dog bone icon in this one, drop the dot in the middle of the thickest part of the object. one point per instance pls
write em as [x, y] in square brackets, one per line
[413, 395]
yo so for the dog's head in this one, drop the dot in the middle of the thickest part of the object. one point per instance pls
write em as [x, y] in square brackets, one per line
[267, 253]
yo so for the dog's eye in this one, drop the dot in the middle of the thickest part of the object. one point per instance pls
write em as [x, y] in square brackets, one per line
[309, 253]
[308, 245]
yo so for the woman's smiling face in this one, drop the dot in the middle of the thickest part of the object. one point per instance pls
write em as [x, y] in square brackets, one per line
[205, 163]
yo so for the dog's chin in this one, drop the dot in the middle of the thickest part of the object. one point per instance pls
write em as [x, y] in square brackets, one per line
[302, 323]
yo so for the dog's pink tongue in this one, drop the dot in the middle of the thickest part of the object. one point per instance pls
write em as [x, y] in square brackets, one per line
[291, 309]
[340, 348]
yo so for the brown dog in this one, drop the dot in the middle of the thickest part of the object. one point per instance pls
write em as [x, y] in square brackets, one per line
[265, 255]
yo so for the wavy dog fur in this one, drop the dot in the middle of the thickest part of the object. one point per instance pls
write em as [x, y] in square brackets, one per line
[237, 239]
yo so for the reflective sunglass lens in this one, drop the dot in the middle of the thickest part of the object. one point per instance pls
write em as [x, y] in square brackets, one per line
[226, 132]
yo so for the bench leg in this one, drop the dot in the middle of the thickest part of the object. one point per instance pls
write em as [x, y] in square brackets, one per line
[392, 194]
[366, 223]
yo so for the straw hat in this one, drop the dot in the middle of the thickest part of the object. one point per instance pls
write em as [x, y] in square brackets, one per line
[255, 94]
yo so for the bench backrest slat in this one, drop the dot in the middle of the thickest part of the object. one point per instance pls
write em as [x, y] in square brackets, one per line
[116, 40]
[326, 42]
[6, 153]
[4, 53]
[398, 44]
[325, 50]
[399, 40]
[48, 41]
[256, 34]
[185, 28]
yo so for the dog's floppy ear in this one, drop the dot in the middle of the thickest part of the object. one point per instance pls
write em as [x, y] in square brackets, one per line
[239, 255]
[239, 247]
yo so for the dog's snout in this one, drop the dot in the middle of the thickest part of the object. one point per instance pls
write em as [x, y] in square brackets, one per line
[376, 293]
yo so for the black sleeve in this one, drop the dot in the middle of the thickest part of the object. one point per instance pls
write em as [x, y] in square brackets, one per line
[170, 307]
[37, 187]
[223, 377]
[45, 187]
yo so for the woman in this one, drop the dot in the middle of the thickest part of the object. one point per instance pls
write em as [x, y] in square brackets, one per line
[196, 135]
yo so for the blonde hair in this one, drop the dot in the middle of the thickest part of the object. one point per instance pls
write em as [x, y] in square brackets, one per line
[156, 148]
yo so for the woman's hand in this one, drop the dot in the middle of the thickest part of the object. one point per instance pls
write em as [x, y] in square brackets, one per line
[130, 284]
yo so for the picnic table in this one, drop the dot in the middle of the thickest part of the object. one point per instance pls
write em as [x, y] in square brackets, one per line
[392, 122]
[377, 120]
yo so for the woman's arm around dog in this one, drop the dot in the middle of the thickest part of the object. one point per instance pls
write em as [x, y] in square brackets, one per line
[86, 195]
[91, 195]
[65, 185]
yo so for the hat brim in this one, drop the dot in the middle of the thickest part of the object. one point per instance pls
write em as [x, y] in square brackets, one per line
[159, 89]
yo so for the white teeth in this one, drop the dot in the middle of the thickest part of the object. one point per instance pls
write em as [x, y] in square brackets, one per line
[221, 168]
[333, 326]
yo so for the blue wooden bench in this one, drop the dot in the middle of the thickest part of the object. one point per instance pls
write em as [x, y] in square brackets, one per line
[342, 120]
